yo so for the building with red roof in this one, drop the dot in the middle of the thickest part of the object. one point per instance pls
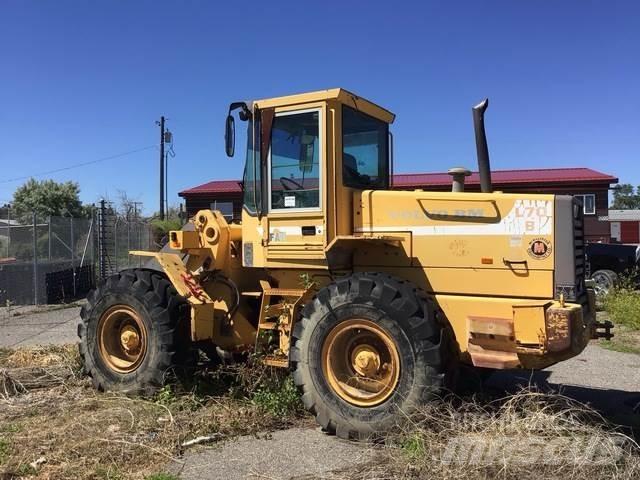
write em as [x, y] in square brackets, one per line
[592, 186]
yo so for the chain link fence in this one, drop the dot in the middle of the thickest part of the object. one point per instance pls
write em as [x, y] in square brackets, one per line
[58, 259]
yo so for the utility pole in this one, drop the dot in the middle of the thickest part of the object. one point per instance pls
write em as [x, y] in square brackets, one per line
[161, 123]
[135, 210]
[168, 139]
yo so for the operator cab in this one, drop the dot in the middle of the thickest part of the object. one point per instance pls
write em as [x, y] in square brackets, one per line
[306, 154]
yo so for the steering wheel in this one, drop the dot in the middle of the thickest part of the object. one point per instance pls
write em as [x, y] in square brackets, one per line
[292, 182]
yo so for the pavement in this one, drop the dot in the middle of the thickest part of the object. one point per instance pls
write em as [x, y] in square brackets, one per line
[607, 380]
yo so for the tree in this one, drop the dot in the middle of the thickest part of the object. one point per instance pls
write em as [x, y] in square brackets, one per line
[47, 198]
[624, 197]
[129, 208]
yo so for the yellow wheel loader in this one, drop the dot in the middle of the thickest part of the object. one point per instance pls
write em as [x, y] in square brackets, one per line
[373, 297]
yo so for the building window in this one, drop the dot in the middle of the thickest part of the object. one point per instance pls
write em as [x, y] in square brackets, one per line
[294, 161]
[588, 203]
[225, 208]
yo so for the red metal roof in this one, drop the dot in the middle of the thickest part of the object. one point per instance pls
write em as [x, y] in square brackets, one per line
[501, 177]
[216, 186]
[422, 180]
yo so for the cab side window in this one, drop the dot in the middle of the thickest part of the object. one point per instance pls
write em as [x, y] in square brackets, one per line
[365, 153]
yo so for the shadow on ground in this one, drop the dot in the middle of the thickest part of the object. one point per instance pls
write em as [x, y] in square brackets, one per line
[620, 407]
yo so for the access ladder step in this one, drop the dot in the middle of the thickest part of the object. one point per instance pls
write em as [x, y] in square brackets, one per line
[276, 361]
[284, 292]
[268, 326]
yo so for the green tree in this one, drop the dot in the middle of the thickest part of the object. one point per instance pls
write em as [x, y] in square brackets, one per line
[47, 198]
[624, 197]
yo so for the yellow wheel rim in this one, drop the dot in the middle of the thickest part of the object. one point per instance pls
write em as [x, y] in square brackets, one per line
[122, 338]
[361, 362]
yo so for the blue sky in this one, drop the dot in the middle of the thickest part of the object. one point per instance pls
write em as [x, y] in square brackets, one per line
[86, 80]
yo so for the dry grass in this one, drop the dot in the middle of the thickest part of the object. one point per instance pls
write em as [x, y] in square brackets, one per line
[529, 435]
[64, 429]
[58, 427]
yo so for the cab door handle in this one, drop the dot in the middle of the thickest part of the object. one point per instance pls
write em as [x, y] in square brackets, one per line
[511, 263]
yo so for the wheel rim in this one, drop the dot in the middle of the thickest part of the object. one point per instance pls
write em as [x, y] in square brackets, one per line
[602, 283]
[122, 338]
[361, 362]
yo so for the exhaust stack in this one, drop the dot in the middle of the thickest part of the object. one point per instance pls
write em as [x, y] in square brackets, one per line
[484, 168]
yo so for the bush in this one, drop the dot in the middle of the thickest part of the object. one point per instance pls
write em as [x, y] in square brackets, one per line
[278, 395]
[623, 306]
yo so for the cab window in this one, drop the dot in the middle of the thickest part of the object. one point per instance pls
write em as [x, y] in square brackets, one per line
[365, 152]
[295, 161]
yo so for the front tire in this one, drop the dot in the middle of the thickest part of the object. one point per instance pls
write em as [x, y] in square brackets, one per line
[368, 348]
[133, 332]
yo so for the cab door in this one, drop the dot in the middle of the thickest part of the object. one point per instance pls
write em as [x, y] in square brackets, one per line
[296, 185]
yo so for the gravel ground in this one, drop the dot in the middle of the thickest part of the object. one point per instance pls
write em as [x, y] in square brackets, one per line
[285, 454]
[44, 325]
[606, 379]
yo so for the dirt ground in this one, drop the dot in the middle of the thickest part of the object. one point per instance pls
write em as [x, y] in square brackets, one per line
[606, 379]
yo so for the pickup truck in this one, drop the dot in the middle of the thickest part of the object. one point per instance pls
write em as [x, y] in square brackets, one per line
[607, 261]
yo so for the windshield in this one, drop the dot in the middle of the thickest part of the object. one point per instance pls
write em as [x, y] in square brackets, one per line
[365, 152]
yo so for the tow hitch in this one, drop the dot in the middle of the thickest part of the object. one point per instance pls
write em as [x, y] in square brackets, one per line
[603, 330]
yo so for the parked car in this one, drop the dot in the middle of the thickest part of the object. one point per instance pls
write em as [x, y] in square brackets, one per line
[606, 262]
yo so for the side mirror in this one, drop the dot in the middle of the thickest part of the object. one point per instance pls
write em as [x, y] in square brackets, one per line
[230, 136]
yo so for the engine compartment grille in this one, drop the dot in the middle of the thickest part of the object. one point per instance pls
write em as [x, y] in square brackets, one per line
[579, 252]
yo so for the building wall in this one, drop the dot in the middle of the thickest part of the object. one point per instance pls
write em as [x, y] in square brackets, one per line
[630, 232]
[203, 202]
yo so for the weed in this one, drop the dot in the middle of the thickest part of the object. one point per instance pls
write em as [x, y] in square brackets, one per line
[623, 306]
[161, 476]
[24, 470]
[306, 281]
[109, 473]
[10, 428]
[278, 395]
[617, 346]
[5, 450]
[165, 395]
[413, 446]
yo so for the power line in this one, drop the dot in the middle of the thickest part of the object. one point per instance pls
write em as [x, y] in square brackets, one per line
[83, 164]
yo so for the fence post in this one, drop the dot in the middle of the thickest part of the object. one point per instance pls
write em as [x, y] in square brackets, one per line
[9, 232]
[35, 260]
[115, 242]
[72, 243]
[101, 237]
[94, 236]
[49, 237]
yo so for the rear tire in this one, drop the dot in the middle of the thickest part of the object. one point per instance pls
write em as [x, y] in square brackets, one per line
[403, 319]
[134, 330]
